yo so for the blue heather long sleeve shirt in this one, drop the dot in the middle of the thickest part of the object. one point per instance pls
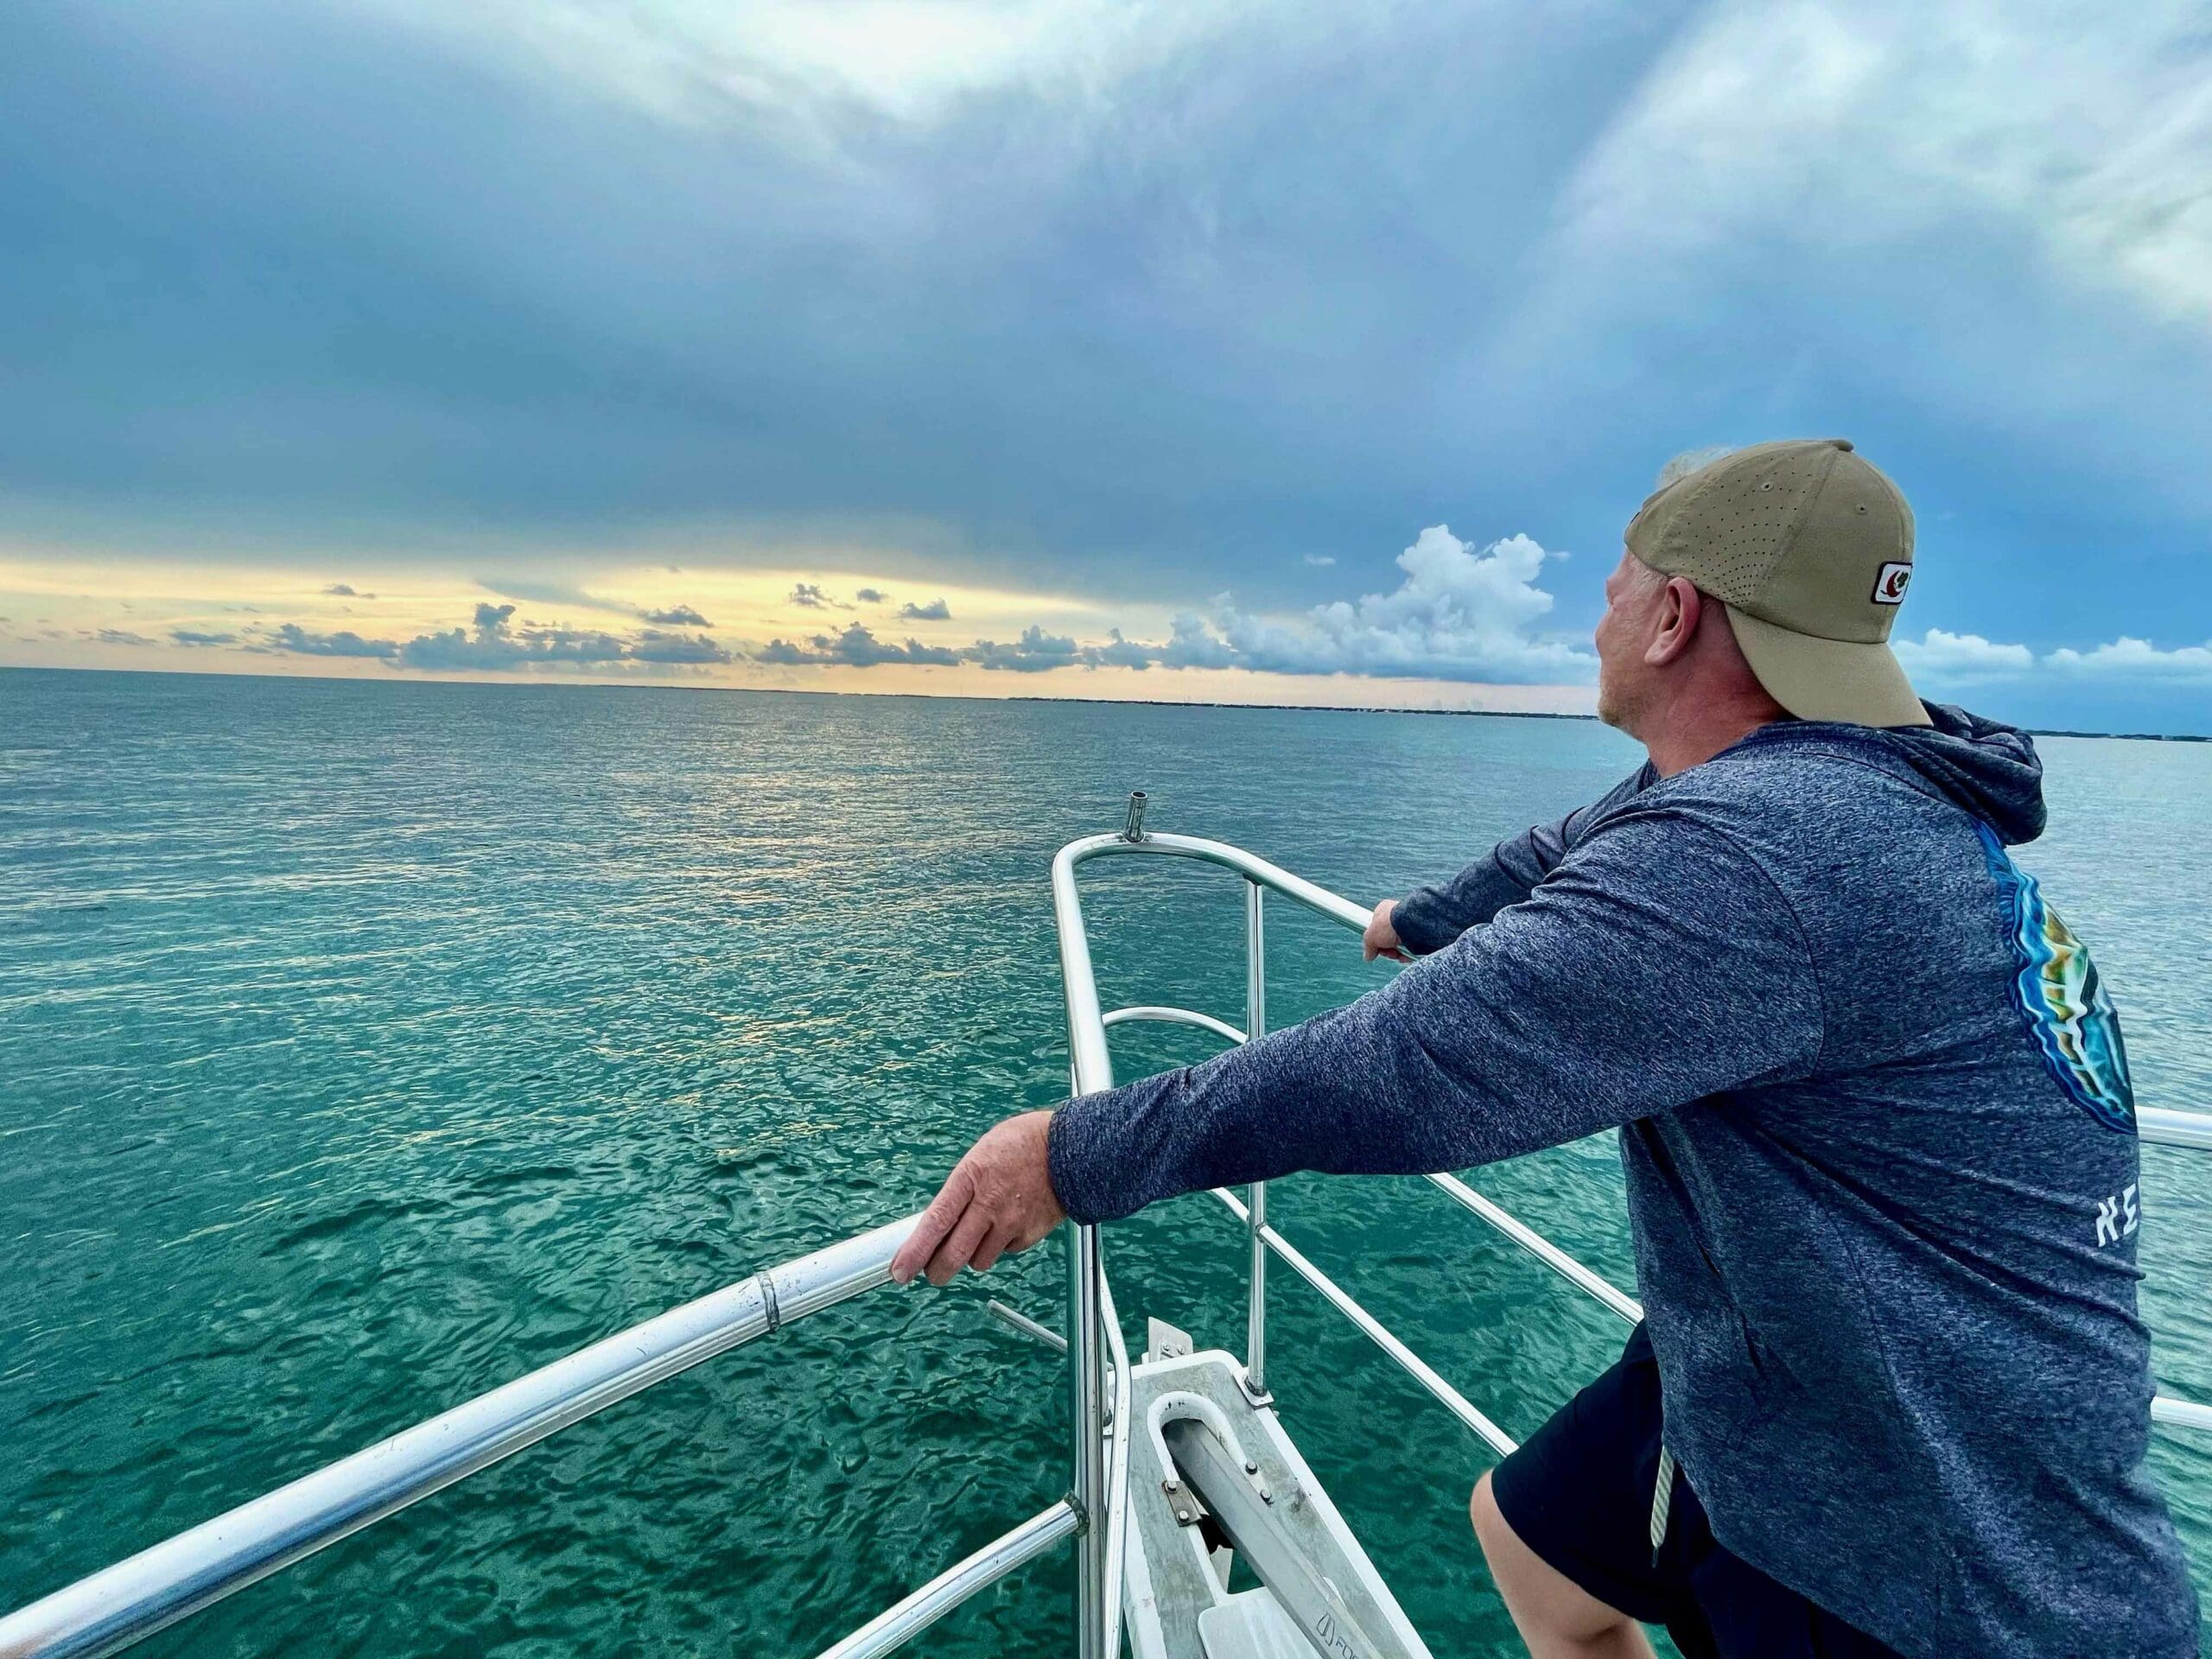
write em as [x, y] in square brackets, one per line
[1879, 1147]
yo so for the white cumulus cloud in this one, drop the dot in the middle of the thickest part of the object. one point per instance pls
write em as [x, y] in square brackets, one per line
[1458, 614]
[1941, 654]
[2136, 658]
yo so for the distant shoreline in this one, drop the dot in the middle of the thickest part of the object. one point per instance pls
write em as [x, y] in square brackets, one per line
[956, 696]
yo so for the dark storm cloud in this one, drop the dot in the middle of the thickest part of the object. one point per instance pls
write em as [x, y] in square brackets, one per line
[1033, 653]
[1196, 305]
[492, 642]
[856, 647]
[385, 267]
[653, 646]
[291, 637]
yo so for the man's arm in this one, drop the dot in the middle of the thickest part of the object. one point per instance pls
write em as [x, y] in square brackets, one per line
[1658, 965]
[1430, 918]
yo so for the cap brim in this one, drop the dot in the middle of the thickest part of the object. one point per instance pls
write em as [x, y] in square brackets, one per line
[1828, 679]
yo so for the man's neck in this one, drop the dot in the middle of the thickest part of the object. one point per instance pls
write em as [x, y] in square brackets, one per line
[1692, 743]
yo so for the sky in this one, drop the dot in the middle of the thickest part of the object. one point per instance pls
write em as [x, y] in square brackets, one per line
[1272, 351]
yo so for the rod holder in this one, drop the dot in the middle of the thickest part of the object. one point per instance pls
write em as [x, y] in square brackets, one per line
[1134, 829]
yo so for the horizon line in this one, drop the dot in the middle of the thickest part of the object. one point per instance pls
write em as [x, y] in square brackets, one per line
[960, 697]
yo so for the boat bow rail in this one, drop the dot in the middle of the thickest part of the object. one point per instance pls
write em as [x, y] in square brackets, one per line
[148, 1592]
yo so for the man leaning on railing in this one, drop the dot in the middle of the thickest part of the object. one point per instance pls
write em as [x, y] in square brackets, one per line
[1891, 1394]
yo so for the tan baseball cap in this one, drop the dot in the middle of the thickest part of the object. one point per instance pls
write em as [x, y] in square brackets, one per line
[1810, 549]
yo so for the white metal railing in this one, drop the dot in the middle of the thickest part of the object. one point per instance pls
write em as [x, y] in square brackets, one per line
[131, 1600]
[149, 1591]
[146, 1593]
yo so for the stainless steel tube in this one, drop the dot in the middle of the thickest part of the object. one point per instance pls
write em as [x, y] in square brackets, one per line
[2166, 1127]
[1176, 1017]
[902, 1621]
[1256, 1023]
[1251, 867]
[1376, 1332]
[1117, 1462]
[135, 1598]
[1583, 1279]
[2180, 1413]
[1087, 1414]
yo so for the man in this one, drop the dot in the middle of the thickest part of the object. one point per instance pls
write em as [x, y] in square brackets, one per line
[1892, 1395]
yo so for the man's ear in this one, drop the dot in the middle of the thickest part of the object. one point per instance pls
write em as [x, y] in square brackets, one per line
[1681, 608]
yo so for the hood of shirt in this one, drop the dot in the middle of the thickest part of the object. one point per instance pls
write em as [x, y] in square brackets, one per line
[1988, 768]
[1982, 767]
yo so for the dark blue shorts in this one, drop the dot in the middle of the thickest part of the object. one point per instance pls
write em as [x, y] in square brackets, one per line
[1579, 1495]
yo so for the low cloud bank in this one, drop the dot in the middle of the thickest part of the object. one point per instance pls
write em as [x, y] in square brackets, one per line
[856, 647]
[495, 642]
[297, 641]
[492, 643]
[1942, 659]
[1459, 612]
[2139, 659]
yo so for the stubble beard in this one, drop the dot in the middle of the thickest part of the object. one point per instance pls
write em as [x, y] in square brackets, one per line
[1613, 709]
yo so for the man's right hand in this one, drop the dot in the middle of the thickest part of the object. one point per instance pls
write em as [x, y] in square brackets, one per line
[1381, 939]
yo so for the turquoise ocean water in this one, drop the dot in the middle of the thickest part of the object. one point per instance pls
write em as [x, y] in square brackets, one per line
[364, 1045]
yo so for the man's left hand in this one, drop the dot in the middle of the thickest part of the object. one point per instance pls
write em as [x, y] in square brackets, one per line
[999, 1198]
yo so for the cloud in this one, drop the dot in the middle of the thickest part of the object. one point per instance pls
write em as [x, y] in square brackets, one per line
[809, 596]
[2130, 658]
[1457, 614]
[341, 591]
[1939, 654]
[870, 595]
[801, 65]
[1320, 561]
[553, 592]
[1033, 653]
[2088, 130]
[559, 593]
[654, 647]
[191, 637]
[856, 647]
[120, 637]
[290, 637]
[1118, 652]
[1017, 277]
[935, 610]
[493, 644]
[1942, 656]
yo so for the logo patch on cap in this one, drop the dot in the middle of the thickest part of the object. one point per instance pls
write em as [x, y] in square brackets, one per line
[1890, 586]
